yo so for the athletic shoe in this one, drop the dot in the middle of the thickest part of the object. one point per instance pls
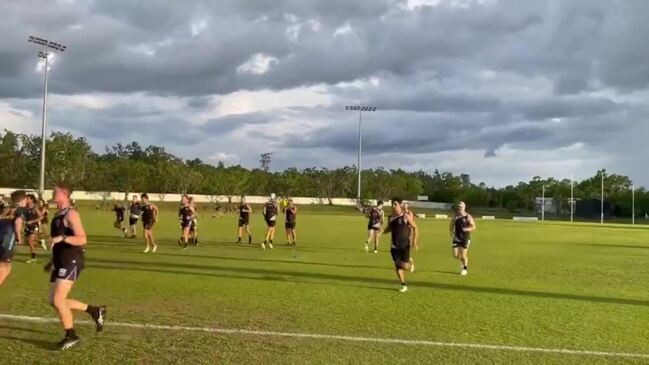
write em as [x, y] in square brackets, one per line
[412, 265]
[403, 289]
[155, 248]
[44, 245]
[147, 249]
[68, 342]
[376, 251]
[367, 248]
[270, 245]
[464, 272]
[263, 246]
[99, 317]
[30, 261]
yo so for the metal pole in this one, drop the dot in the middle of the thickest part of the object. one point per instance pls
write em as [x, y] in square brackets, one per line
[632, 204]
[572, 199]
[543, 204]
[41, 188]
[360, 143]
[601, 219]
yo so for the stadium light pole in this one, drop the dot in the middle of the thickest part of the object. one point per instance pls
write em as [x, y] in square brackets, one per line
[572, 198]
[360, 109]
[44, 54]
[632, 204]
[543, 204]
[601, 217]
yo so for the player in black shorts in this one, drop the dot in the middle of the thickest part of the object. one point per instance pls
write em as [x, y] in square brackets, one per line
[32, 218]
[374, 226]
[270, 212]
[120, 211]
[291, 220]
[11, 223]
[186, 216]
[68, 244]
[43, 208]
[193, 225]
[461, 227]
[400, 227]
[149, 219]
[134, 212]
[244, 219]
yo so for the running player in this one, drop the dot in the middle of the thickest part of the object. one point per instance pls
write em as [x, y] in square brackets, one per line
[32, 218]
[401, 226]
[374, 226]
[185, 214]
[413, 243]
[270, 216]
[68, 257]
[11, 223]
[244, 219]
[291, 220]
[44, 210]
[461, 227]
[149, 219]
[119, 210]
[135, 210]
[193, 225]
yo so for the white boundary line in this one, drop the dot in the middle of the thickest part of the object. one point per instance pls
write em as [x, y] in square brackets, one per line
[234, 331]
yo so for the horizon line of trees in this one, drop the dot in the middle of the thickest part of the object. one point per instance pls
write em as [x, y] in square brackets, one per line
[131, 167]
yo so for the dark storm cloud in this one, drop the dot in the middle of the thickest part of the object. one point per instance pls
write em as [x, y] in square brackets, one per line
[535, 75]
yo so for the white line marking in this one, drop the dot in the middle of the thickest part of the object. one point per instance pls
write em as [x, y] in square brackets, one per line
[233, 331]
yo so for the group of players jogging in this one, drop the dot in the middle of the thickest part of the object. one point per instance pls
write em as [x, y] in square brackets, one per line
[146, 211]
[24, 218]
[405, 235]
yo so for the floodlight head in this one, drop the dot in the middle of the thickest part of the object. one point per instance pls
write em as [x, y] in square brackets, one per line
[56, 46]
[42, 54]
[37, 40]
[361, 108]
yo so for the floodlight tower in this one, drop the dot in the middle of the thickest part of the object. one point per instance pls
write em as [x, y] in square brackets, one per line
[44, 54]
[360, 109]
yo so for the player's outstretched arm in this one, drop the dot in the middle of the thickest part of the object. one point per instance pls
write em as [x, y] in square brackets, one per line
[471, 226]
[74, 222]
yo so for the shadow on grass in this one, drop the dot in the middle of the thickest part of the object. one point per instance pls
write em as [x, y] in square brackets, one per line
[276, 261]
[41, 344]
[612, 246]
[288, 276]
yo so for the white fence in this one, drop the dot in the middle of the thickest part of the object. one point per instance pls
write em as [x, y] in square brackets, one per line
[159, 197]
[525, 219]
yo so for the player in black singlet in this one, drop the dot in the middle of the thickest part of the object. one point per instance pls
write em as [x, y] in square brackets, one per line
[68, 244]
[244, 219]
[401, 227]
[461, 227]
[11, 223]
[44, 210]
[270, 211]
[374, 226]
[185, 214]
[149, 219]
[120, 211]
[291, 221]
[32, 218]
[193, 225]
[134, 212]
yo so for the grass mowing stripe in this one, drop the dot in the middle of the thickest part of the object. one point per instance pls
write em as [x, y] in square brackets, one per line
[234, 331]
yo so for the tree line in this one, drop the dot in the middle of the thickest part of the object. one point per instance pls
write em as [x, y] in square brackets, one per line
[131, 167]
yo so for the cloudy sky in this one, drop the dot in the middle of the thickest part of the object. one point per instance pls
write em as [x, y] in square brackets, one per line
[502, 90]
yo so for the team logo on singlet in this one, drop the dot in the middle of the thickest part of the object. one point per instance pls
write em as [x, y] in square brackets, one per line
[62, 271]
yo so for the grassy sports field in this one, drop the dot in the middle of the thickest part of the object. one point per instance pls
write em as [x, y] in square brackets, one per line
[540, 285]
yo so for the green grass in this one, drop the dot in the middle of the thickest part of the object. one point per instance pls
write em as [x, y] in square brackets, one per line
[551, 285]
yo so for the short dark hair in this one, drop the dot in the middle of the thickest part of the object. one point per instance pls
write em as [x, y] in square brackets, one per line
[144, 196]
[397, 200]
[64, 186]
[18, 195]
[380, 202]
[32, 197]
